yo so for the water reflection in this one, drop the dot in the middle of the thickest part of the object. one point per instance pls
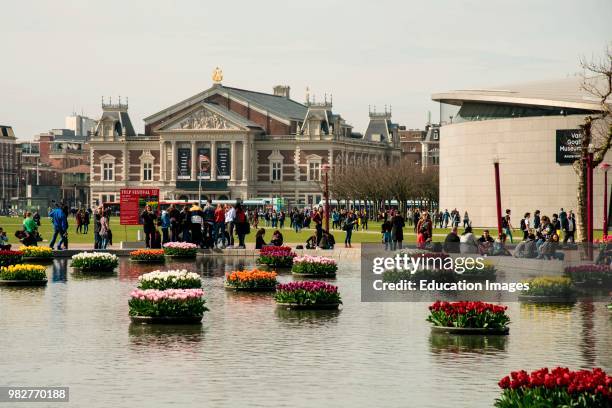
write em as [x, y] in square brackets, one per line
[59, 270]
[299, 318]
[455, 344]
[149, 338]
[206, 266]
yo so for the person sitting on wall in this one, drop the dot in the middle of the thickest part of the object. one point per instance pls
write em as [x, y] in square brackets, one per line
[311, 242]
[452, 242]
[548, 250]
[485, 242]
[526, 248]
[499, 247]
[259, 238]
[277, 238]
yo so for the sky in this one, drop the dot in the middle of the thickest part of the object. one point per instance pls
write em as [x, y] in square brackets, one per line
[57, 57]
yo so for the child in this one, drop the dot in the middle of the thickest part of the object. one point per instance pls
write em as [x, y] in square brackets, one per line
[4, 245]
[386, 234]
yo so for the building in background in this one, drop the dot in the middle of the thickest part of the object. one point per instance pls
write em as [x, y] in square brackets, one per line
[9, 177]
[421, 147]
[532, 130]
[234, 143]
[82, 126]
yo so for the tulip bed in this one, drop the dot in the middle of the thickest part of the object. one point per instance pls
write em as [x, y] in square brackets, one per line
[550, 286]
[314, 265]
[94, 261]
[276, 256]
[25, 272]
[167, 303]
[559, 387]
[253, 279]
[474, 315]
[147, 255]
[180, 249]
[10, 257]
[590, 274]
[179, 279]
[36, 252]
[310, 293]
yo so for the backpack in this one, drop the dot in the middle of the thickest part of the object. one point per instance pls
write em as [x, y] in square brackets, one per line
[504, 222]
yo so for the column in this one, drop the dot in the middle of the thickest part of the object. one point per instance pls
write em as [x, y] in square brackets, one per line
[173, 160]
[213, 160]
[194, 161]
[246, 163]
[233, 161]
[162, 161]
[126, 165]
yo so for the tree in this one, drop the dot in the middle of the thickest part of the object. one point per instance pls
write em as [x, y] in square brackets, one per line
[596, 129]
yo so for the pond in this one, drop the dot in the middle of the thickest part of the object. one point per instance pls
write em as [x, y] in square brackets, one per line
[76, 332]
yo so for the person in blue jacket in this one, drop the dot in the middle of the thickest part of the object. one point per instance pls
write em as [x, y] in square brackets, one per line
[60, 227]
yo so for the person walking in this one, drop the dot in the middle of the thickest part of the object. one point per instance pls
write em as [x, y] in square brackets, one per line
[148, 218]
[347, 226]
[60, 227]
[242, 225]
[570, 228]
[97, 226]
[525, 226]
[86, 219]
[466, 220]
[105, 231]
[507, 226]
[397, 230]
[318, 220]
[230, 222]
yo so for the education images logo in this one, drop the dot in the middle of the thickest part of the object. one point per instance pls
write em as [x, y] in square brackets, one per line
[405, 264]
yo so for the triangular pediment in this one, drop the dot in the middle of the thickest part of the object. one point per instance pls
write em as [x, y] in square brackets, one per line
[204, 117]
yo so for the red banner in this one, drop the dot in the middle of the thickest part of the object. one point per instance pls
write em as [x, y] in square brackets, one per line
[133, 200]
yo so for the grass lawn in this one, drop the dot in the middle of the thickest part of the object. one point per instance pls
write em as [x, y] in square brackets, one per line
[129, 233]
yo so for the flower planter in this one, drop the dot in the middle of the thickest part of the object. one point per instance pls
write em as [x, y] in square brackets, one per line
[470, 330]
[166, 319]
[42, 282]
[546, 299]
[256, 289]
[94, 271]
[186, 256]
[148, 261]
[314, 275]
[320, 306]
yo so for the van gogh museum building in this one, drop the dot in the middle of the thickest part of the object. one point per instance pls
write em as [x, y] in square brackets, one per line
[531, 130]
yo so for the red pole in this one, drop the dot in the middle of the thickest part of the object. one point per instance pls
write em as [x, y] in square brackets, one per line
[498, 198]
[326, 202]
[605, 209]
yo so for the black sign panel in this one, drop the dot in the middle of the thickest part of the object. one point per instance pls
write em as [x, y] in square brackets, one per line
[184, 164]
[568, 145]
[223, 162]
[204, 162]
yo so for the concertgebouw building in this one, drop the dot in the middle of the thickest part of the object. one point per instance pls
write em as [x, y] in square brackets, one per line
[532, 129]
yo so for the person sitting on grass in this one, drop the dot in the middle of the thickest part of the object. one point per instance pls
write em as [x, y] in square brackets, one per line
[259, 238]
[277, 238]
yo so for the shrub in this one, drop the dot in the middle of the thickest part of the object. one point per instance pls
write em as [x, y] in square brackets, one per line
[180, 249]
[179, 279]
[151, 255]
[559, 387]
[307, 293]
[167, 303]
[314, 265]
[276, 256]
[468, 314]
[10, 257]
[23, 272]
[36, 252]
[253, 279]
[552, 286]
[95, 261]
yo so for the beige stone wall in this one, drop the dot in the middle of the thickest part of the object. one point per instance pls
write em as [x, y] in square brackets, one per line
[530, 177]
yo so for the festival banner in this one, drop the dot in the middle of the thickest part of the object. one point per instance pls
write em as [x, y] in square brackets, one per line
[184, 164]
[223, 163]
[132, 202]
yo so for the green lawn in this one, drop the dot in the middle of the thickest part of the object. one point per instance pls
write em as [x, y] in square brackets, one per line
[129, 233]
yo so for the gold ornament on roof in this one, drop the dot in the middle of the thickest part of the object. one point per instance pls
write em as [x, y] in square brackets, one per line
[217, 75]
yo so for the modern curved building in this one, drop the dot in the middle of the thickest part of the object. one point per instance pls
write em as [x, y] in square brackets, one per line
[530, 129]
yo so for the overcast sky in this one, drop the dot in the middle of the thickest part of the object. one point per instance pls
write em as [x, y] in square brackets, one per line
[62, 56]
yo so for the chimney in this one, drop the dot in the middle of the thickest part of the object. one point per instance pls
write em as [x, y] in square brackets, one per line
[282, 90]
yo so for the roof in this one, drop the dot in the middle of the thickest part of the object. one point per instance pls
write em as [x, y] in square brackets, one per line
[280, 106]
[230, 115]
[123, 118]
[82, 168]
[563, 93]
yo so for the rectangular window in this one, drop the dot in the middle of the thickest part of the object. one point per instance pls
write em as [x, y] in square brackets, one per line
[314, 171]
[277, 171]
[107, 171]
[147, 171]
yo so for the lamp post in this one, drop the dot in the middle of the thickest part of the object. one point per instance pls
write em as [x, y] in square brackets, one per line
[589, 199]
[498, 197]
[326, 194]
[604, 167]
